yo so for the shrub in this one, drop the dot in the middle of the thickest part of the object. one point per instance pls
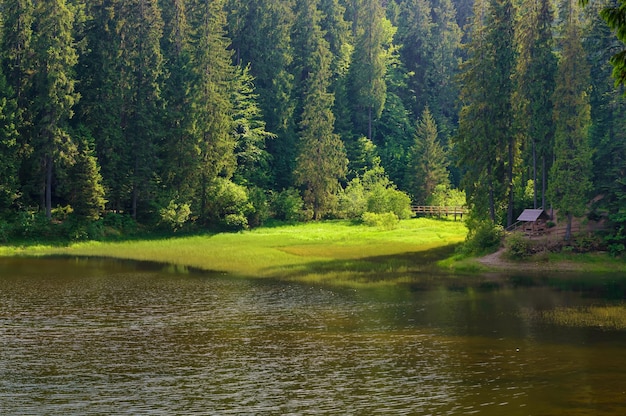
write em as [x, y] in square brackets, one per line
[289, 206]
[227, 200]
[175, 215]
[374, 193]
[353, 200]
[5, 231]
[260, 207]
[384, 221]
[518, 247]
[483, 236]
[235, 222]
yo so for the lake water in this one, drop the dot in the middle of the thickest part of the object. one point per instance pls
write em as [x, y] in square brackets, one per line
[103, 337]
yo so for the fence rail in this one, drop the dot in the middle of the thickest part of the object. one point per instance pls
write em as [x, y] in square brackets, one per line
[439, 211]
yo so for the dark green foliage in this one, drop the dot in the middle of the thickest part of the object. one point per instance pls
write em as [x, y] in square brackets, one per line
[288, 206]
[189, 113]
[518, 246]
[83, 183]
[484, 236]
[427, 160]
[571, 171]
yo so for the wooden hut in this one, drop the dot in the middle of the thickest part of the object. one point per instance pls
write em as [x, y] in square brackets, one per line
[534, 221]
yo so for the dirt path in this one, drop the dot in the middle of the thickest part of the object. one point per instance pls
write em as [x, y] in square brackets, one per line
[497, 261]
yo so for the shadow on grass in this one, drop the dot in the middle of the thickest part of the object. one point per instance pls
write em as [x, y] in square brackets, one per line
[395, 268]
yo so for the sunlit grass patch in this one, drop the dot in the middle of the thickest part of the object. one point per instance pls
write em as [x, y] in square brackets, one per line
[302, 251]
[609, 317]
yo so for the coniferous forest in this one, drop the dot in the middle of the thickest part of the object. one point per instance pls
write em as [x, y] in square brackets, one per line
[224, 113]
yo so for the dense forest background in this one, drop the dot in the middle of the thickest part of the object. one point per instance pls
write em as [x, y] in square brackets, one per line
[189, 113]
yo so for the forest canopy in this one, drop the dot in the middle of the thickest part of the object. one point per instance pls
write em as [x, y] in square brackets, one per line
[189, 113]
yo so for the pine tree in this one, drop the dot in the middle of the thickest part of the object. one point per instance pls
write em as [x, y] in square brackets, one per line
[142, 77]
[9, 157]
[477, 154]
[373, 34]
[250, 134]
[179, 168]
[416, 39]
[261, 37]
[570, 174]
[54, 59]
[321, 162]
[213, 74]
[608, 112]
[103, 106]
[427, 161]
[535, 74]
[442, 90]
[83, 185]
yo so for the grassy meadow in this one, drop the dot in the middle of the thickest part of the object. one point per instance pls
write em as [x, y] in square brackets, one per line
[331, 251]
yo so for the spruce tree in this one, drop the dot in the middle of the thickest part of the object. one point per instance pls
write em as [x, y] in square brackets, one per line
[373, 34]
[428, 165]
[535, 83]
[54, 59]
[321, 162]
[9, 156]
[570, 174]
[212, 109]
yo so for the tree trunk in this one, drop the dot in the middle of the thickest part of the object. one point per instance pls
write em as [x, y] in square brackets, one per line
[492, 203]
[568, 228]
[534, 175]
[48, 186]
[369, 122]
[543, 182]
[509, 214]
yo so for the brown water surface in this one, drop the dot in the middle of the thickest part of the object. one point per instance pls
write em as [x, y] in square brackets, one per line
[104, 337]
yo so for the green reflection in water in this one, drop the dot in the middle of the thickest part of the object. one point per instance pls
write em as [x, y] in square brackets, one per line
[99, 337]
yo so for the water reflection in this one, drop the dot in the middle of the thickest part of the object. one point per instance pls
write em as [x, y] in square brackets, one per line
[101, 337]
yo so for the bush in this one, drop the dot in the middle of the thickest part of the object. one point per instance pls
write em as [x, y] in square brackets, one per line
[353, 200]
[374, 193]
[235, 222]
[384, 221]
[229, 200]
[289, 206]
[483, 236]
[518, 247]
[175, 215]
[5, 231]
[260, 207]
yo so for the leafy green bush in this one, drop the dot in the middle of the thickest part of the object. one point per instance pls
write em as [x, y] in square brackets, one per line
[616, 240]
[229, 200]
[445, 196]
[288, 205]
[384, 221]
[5, 231]
[483, 236]
[353, 200]
[260, 207]
[374, 193]
[518, 247]
[175, 215]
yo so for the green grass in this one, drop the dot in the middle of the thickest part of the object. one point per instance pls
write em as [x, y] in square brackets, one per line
[315, 252]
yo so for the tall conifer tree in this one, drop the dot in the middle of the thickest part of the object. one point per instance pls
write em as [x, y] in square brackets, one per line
[214, 75]
[321, 162]
[570, 176]
[428, 165]
[535, 83]
[372, 35]
[54, 59]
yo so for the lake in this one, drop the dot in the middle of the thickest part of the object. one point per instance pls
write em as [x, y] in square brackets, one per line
[100, 337]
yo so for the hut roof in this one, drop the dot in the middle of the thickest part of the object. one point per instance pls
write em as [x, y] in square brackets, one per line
[532, 215]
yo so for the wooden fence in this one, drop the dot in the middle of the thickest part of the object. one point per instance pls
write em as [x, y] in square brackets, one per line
[439, 211]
